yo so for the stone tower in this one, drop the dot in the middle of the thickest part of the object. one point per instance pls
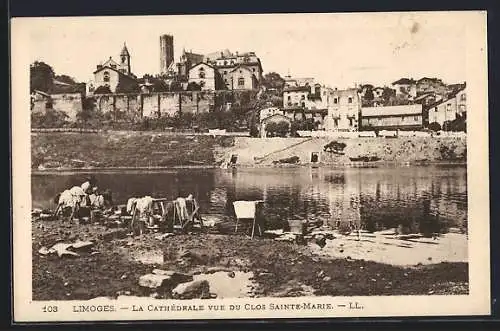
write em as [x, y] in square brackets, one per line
[166, 52]
[125, 60]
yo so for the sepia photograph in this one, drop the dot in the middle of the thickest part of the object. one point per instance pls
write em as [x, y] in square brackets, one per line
[237, 166]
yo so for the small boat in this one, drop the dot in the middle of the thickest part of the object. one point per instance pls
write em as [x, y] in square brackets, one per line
[365, 159]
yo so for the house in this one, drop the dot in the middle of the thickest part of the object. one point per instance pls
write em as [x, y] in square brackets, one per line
[449, 109]
[187, 61]
[431, 85]
[298, 82]
[112, 74]
[276, 118]
[406, 88]
[241, 78]
[296, 96]
[266, 112]
[63, 97]
[226, 62]
[343, 110]
[403, 117]
[427, 98]
[204, 75]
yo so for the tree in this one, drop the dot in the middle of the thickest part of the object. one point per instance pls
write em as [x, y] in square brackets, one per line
[175, 87]
[66, 79]
[273, 80]
[41, 77]
[278, 129]
[193, 86]
[102, 90]
[387, 95]
[127, 86]
[435, 126]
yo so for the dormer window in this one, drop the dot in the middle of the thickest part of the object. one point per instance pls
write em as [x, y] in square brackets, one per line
[106, 76]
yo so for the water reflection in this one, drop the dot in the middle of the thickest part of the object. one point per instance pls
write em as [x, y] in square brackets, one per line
[420, 199]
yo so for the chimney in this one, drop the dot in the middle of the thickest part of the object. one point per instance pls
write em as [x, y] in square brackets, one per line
[221, 54]
[236, 53]
[99, 66]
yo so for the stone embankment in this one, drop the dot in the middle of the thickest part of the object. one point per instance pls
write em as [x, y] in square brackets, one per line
[107, 150]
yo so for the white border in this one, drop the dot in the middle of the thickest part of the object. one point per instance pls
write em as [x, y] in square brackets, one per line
[476, 303]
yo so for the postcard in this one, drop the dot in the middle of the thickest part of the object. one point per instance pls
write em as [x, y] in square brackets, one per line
[250, 166]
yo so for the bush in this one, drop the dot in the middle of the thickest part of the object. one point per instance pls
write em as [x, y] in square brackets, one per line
[434, 126]
[50, 119]
[278, 129]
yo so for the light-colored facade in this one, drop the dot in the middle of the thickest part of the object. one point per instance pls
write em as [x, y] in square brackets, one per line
[241, 78]
[111, 73]
[406, 117]
[70, 103]
[294, 97]
[203, 74]
[405, 88]
[343, 110]
[449, 109]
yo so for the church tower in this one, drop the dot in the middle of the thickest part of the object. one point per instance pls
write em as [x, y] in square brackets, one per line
[125, 60]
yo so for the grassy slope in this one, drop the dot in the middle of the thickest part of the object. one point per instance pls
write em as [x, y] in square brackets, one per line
[133, 149]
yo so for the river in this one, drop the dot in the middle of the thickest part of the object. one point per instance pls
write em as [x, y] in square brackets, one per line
[418, 199]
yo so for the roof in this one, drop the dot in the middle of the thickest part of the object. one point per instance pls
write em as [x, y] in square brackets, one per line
[116, 70]
[124, 50]
[423, 96]
[241, 66]
[197, 64]
[391, 110]
[67, 88]
[193, 57]
[449, 97]
[297, 89]
[404, 81]
[437, 80]
[42, 93]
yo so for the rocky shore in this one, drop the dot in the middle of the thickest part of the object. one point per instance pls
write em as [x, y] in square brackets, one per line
[87, 261]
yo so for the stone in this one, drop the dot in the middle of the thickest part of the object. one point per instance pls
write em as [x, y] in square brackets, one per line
[44, 251]
[113, 234]
[197, 289]
[174, 277]
[82, 245]
[153, 281]
[163, 236]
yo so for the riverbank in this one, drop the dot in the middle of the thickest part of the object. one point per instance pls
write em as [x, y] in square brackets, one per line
[156, 151]
[116, 262]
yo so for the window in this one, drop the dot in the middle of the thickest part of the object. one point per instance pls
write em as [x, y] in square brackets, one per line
[349, 100]
[113, 66]
[289, 98]
[436, 109]
[225, 63]
[253, 69]
[416, 118]
[463, 97]
[201, 74]
[241, 81]
[225, 72]
[303, 97]
[303, 104]
[448, 107]
[402, 118]
[123, 59]
[106, 76]
[335, 100]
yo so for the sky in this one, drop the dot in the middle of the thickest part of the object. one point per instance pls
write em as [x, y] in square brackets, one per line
[338, 50]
